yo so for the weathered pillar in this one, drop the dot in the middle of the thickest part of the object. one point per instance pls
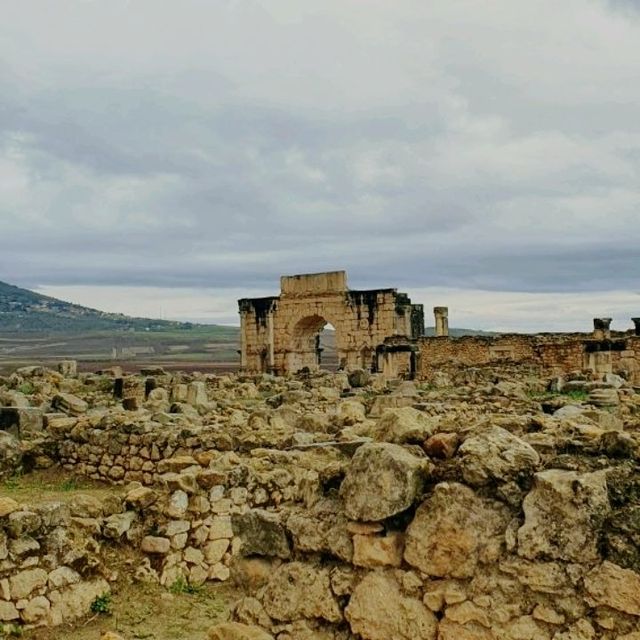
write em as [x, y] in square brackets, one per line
[442, 321]
[149, 385]
[601, 328]
[636, 321]
[118, 388]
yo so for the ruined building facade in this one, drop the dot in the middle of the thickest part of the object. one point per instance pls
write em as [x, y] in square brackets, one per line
[280, 334]
[381, 330]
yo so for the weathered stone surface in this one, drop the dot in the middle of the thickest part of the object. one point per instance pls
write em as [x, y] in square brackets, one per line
[155, 544]
[496, 455]
[454, 530]
[382, 480]
[449, 630]
[378, 610]
[7, 506]
[261, 533]
[378, 551]
[63, 576]
[404, 425]
[37, 608]
[26, 582]
[612, 586]
[178, 504]
[561, 516]
[442, 445]
[10, 455]
[8, 611]
[75, 601]
[69, 404]
[322, 529]
[298, 590]
[237, 631]
[141, 497]
[118, 524]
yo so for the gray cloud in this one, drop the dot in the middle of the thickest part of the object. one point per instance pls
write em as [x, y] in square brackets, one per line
[221, 144]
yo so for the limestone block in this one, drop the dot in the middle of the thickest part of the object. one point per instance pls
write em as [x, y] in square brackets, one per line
[454, 530]
[404, 424]
[382, 480]
[8, 611]
[612, 586]
[155, 544]
[261, 533]
[378, 551]
[36, 610]
[26, 582]
[69, 404]
[494, 454]
[561, 515]
[298, 590]
[378, 610]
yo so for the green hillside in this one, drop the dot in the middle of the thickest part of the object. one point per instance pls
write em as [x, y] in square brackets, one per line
[22, 310]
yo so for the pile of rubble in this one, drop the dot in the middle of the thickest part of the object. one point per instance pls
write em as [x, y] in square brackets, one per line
[490, 503]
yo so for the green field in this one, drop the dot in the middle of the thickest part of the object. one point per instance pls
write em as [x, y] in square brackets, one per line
[200, 346]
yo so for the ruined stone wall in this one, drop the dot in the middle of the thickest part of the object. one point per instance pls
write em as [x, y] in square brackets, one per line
[50, 571]
[280, 334]
[553, 353]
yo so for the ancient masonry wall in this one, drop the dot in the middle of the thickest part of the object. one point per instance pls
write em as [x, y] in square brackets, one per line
[552, 353]
[279, 334]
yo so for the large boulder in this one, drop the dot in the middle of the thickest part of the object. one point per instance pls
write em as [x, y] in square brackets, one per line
[383, 480]
[454, 530]
[495, 455]
[562, 515]
[298, 590]
[378, 610]
[405, 424]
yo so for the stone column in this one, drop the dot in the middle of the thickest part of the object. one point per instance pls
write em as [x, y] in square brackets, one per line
[636, 321]
[442, 321]
[601, 328]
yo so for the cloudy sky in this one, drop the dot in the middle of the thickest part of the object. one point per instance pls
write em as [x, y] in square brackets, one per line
[165, 157]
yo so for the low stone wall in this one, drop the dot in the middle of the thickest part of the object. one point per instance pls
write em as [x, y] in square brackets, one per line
[50, 567]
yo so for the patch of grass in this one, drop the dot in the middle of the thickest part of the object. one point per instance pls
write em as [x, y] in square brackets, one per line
[71, 484]
[579, 395]
[27, 388]
[181, 585]
[102, 604]
[11, 631]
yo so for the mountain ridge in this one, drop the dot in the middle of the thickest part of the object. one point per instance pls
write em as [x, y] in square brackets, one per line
[28, 311]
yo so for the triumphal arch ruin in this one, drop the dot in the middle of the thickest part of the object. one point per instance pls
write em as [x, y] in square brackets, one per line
[280, 334]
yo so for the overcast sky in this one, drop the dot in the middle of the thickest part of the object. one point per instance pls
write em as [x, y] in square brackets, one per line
[164, 157]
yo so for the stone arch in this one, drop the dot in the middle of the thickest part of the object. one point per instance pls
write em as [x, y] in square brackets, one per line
[303, 348]
[279, 333]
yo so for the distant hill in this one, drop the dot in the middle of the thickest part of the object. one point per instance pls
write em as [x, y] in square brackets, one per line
[24, 310]
[458, 333]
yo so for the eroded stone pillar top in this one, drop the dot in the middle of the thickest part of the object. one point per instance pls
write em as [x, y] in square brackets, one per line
[636, 322]
[601, 328]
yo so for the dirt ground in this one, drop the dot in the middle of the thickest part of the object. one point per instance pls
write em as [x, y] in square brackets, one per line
[150, 612]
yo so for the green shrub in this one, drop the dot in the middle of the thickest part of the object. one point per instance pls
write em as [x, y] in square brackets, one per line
[102, 604]
[181, 585]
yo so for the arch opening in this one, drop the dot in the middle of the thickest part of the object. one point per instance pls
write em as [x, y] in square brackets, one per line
[313, 345]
